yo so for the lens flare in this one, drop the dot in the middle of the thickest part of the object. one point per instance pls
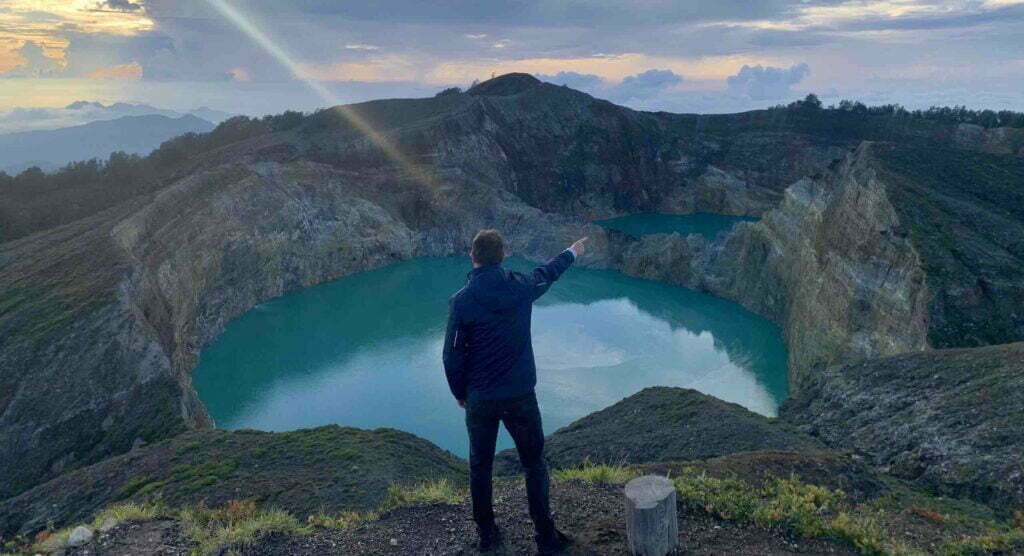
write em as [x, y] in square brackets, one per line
[247, 27]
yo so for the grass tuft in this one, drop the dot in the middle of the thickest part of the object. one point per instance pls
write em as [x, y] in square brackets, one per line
[434, 492]
[238, 523]
[597, 473]
[344, 520]
[1002, 542]
[131, 511]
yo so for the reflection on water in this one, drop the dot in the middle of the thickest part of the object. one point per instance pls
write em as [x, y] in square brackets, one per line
[364, 351]
[706, 224]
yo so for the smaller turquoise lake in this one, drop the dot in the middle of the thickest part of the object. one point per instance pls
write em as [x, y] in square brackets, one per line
[704, 223]
[365, 351]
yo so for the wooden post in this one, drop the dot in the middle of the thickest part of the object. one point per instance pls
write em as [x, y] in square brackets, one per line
[652, 528]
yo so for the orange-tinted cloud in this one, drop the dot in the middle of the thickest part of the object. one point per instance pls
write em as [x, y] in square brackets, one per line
[129, 71]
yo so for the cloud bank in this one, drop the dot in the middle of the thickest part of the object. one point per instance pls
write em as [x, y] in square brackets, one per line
[764, 83]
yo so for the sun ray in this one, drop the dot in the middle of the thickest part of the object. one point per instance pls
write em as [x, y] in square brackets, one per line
[254, 33]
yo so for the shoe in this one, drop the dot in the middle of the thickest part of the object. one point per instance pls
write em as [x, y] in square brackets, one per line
[552, 544]
[489, 539]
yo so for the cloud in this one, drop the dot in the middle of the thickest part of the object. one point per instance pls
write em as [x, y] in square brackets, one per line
[763, 83]
[645, 85]
[36, 63]
[130, 70]
[952, 19]
[121, 5]
[361, 46]
[638, 87]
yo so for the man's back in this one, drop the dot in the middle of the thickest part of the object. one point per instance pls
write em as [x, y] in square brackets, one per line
[489, 330]
[488, 359]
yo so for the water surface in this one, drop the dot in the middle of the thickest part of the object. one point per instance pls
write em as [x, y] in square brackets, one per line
[706, 224]
[365, 351]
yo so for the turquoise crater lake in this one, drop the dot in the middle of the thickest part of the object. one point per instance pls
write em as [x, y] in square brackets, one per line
[365, 351]
[706, 224]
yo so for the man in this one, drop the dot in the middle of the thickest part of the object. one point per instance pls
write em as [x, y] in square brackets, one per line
[488, 359]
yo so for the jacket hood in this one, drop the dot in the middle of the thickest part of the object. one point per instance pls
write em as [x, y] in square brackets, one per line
[491, 288]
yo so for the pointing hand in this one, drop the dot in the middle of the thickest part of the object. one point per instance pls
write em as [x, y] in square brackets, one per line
[579, 248]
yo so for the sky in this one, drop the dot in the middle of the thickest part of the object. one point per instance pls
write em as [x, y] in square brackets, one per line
[263, 56]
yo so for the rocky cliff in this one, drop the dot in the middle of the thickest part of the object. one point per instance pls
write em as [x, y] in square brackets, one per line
[895, 249]
[101, 320]
[951, 420]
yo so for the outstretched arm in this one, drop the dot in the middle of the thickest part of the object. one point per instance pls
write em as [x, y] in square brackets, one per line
[546, 274]
[454, 356]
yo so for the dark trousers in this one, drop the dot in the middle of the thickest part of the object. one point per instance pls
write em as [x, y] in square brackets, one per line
[521, 417]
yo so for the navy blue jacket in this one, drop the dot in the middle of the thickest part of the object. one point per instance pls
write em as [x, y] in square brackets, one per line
[488, 353]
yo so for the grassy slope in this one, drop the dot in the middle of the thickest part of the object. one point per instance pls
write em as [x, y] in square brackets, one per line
[330, 468]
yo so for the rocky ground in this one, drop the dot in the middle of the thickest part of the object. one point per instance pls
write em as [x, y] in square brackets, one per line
[593, 515]
[590, 513]
[890, 520]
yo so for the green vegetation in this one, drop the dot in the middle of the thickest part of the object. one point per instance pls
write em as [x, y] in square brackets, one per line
[242, 522]
[344, 520]
[131, 511]
[804, 510]
[440, 491]
[596, 473]
[236, 523]
[998, 542]
[432, 492]
[38, 201]
[945, 114]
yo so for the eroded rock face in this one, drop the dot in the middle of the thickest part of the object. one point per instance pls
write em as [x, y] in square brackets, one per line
[831, 265]
[998, 140]
[852, 283]
[949, 419]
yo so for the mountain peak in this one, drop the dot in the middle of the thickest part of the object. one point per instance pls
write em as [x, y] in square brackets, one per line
[79, 104]
[505, 85]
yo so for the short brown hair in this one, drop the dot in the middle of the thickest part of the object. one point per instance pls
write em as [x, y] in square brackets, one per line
[488, 247]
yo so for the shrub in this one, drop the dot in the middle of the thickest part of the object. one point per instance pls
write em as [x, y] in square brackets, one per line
[795, 506]
[863, 533]
[725, 498]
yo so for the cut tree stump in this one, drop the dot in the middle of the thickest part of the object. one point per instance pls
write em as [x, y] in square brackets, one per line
[652, 528]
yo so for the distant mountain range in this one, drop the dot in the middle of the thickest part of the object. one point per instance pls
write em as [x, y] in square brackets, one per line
[18, 119]
[130, 109]
[51, 149]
